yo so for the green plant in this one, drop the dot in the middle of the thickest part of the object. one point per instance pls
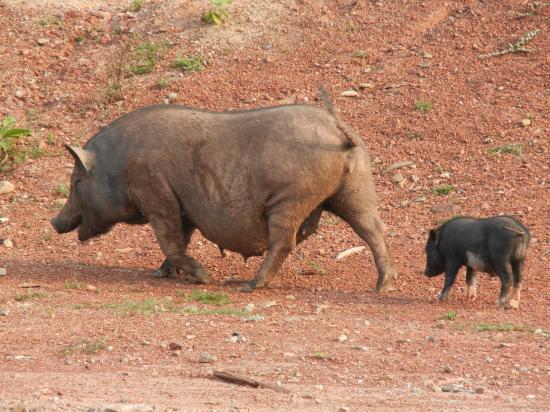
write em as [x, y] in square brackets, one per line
[47, 235]
[225, 311]
[449, 315]
[361, 54]
[443, 189]
[50, 21]
[515, 149]
[63, 190]
[211, 298]
[189, 63]
[73, 284]
[321, 355]
[8, 135]
[423, 106]
[316, 267]
[88, 347]
[218, 14]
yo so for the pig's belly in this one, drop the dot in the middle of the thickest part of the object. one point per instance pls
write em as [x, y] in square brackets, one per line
[247, 235]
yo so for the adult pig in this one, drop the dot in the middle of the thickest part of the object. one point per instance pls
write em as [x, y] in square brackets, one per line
[250, 181]
[495, 245]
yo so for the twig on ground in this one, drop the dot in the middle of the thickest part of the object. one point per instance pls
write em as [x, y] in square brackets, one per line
[517, 47]
[244, 380]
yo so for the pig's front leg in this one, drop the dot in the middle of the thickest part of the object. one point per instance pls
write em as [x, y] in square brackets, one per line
[471, 284]
[451, 270]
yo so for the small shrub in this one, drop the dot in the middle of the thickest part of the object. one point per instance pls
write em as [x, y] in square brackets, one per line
[423, 106]
[136, 5]
[189, 63]
[22, 297]
[218, 14]
[321, 355]
[73, 284]
[162, 82]
[316, 267]
[515, 149]
[443, 190]
[145, 55]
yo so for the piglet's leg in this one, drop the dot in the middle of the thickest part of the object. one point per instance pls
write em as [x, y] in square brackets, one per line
[451, 270]
[471, 284]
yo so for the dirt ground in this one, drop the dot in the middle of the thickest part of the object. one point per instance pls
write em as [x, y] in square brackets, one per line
[96, 329]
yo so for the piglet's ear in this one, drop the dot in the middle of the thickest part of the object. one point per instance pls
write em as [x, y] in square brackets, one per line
[83, 158]
[434, 237]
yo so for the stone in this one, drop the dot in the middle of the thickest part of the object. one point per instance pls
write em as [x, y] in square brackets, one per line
[4, 311]
[91, 288]
[399, 165]
[205, 357]
[4, 219]
[431, 339]
[249, 308]
[479, 390]
[361, 348]
[237, 337]
[128, 408]
[349, 93]
[5, 187]
[343, 409]
[42, 41]
[526, 122]
[8, 243]
[3, 272]
[172, 96]
[20, 94]
[269, 304]
[175, 346]
[342, 338]
[397, 178]
[448, 369]
[366, 85]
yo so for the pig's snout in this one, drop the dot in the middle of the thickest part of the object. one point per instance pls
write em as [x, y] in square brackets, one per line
[63, 226]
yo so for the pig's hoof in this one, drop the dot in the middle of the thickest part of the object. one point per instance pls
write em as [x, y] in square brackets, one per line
[247, 287]
[159, 273]
[387, 286]
[513, 304]
[202, 277]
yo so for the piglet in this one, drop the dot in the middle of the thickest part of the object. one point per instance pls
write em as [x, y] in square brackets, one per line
[495, 245]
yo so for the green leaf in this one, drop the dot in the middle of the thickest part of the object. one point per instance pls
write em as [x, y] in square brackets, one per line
[16, 133]
[8, 122]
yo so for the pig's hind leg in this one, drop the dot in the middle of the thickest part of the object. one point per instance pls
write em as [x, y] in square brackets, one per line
[504, 271]
[517, 267]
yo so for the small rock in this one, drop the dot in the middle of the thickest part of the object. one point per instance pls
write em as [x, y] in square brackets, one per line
[319, 387]
[526, 122]
[366, 85]
[479, 390]
[269, 304]
[343, 409]
[19, 94]
[249, 308]
[431, 339]
[530, 397]
[454, 388]
[4, 311]
[3, 272]
[4, 219]
[205, 357]
[42, 41]
[172, 96]
[448, 369]
[349, 93]
[441, 323]
[427, 55]
[414, 178]
[291, 297]
[5, 187]
[237, 337]
[445, 175]
[434, 388]
[367, 323]
[175, 346]
[361, 348]
[342, 338]
[91, 288]
[8, 243]
[254, 318]
[488, 359]
[397, 178]
[124, 250]
[127, 408]
[420, 199]
[505, 345]
[399, 165]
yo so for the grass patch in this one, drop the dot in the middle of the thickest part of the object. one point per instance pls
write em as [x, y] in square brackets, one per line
[211, 298]
[443, 190]
[162, 82]
[423, 106]
[87, 347]
[321, 355]
[361, 54]
[515, 149]
[226, 311]
[73, 284]
[23, 297]
[49, 21]
[449, 315]
[189, 63]
[63, 190]
[8, 137]
[498, 327]
[145, 307]
[316, 267]
[145, 56]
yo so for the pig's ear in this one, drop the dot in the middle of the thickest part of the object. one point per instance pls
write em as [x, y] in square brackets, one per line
[434, 237]
[83, 158]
